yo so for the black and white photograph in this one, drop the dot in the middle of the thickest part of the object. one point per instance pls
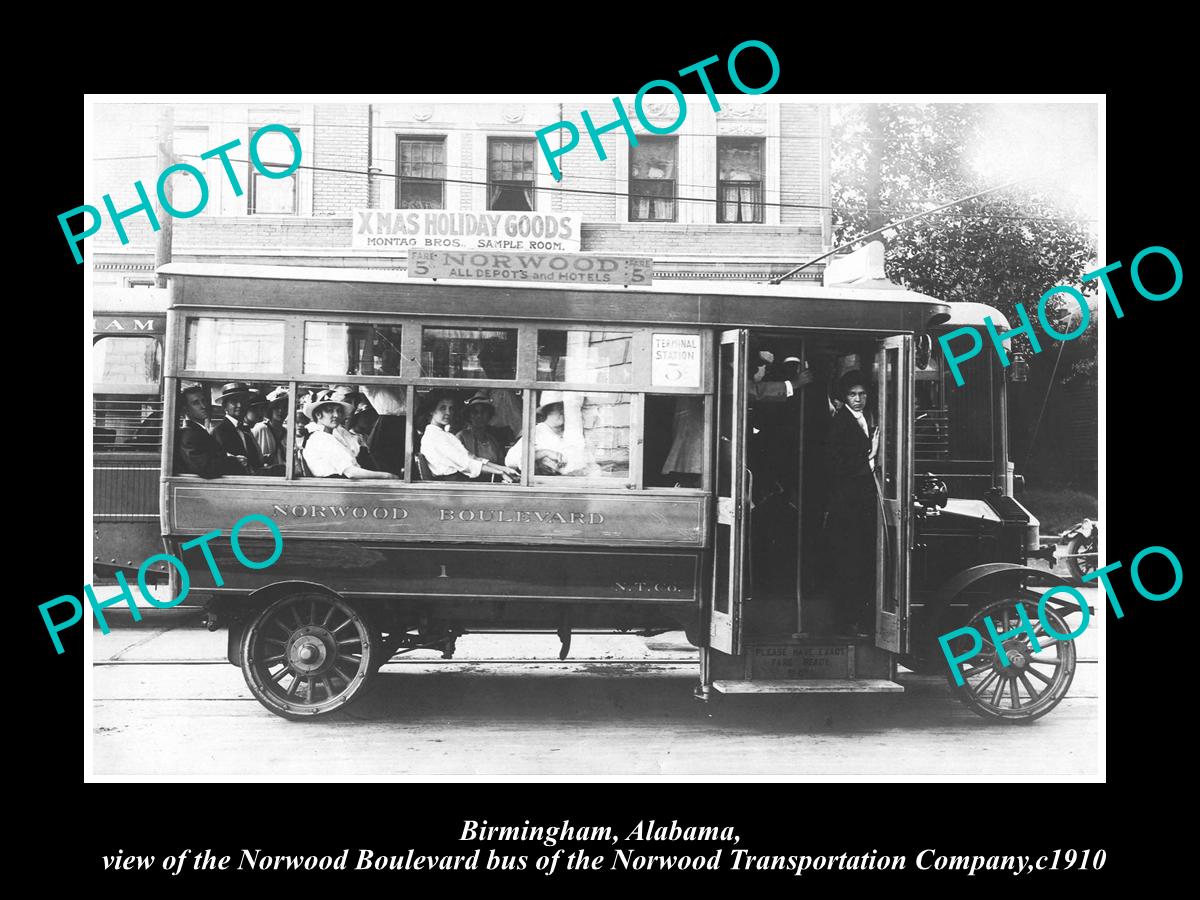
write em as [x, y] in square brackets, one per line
[688, 436]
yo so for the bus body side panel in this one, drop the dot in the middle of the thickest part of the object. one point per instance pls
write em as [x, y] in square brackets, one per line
[390, 571]
[340, 510]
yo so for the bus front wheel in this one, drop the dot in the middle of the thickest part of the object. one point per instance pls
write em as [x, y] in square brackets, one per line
[1015, 682]
[309, 654]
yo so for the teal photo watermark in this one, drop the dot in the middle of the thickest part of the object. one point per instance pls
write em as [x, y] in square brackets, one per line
[185, 581]
[1049, 632]
[622, 120]
[145, 206]
[1026, 327]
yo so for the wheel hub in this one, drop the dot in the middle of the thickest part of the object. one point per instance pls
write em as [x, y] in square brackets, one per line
[309, 649]
[1018, 659]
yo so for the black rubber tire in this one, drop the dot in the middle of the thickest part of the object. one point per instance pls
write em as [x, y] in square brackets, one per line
[1079, 566]
[993, 709]
[263, 641]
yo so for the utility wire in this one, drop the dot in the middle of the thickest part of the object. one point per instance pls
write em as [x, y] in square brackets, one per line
[863, 237]
[624, 194]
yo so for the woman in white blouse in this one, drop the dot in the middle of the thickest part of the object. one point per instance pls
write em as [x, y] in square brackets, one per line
[331, 450]
[446, 455]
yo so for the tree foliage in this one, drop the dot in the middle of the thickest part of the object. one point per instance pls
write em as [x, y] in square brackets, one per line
[1003, 248]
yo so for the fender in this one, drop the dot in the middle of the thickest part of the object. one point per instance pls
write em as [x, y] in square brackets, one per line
[999, 574]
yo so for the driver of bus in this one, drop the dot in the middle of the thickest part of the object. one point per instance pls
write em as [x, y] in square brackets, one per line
[329, 452]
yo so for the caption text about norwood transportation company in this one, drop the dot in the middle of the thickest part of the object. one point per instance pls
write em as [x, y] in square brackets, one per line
[609, 849]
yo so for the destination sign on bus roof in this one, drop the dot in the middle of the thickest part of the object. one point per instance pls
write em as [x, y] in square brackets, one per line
[567, 268]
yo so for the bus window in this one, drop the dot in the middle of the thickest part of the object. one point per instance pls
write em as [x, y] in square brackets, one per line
[469, 353]
[952, 422]
[361, 427]
[673, 441]
[127, 360]
[231, 428]
[580, 434]
[234, 345]
[477, 427]
[126, 407]
[585, 357]
[341, 348]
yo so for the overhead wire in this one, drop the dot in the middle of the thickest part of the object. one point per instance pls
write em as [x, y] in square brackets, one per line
[625, 194]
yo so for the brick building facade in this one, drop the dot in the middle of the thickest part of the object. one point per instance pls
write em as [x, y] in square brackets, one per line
[741, 193]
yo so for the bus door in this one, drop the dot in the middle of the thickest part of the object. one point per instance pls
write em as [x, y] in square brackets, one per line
[733, 492]
[893, 473]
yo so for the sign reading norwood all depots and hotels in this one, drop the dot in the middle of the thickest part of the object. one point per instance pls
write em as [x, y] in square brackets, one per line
[563, 268]
[388, 230]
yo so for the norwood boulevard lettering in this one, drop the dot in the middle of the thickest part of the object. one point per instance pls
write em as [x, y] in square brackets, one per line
[126, 595]
[1101, 275]
[312, 511]
[622, 120]
[145, 206]
[1050, 633]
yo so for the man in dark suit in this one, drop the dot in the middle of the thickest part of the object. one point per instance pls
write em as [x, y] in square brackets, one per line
[234, 435]
[196, 451]
[850, 518]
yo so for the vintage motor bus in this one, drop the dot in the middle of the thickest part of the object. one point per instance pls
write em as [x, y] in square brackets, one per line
[686, 496]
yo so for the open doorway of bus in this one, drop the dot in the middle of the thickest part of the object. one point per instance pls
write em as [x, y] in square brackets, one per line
[810, 572]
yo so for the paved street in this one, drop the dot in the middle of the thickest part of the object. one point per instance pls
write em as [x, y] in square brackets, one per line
[166, 704]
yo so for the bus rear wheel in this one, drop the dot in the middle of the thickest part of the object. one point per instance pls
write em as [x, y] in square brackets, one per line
[308, 655]
[1033, 682]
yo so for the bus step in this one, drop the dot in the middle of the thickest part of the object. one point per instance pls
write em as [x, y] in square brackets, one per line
[810, 686]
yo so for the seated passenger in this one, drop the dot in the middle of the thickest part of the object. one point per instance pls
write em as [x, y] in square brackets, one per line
[232, 433]
[329, 450]
[386, 437]
[196, 451]
[478, 437]
[148, 430]
[276, 425]
[445, 454]
[256, 420]
[549, 445]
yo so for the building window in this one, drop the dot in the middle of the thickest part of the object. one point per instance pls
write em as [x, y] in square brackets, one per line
[652, 180]
[273, 196]
[420, 172]
[510, 174]
[740, 180]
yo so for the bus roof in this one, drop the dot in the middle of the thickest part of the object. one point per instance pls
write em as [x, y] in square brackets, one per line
[966, 313]
[674, 302]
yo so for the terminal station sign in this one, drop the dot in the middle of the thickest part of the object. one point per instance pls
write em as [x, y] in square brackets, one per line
[388, 230]
[561, 268]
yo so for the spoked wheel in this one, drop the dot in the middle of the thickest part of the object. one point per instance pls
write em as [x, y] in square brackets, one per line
[1033, 682]
[309, 655]
[1081, 556]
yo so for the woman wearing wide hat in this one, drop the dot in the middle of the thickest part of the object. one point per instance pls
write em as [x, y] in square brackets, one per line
[478, 436]
[850, 525]
[549, 443]
[331, 450]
